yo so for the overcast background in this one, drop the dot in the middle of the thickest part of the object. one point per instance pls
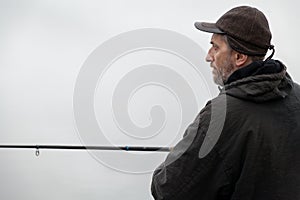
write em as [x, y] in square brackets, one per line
[43, 46]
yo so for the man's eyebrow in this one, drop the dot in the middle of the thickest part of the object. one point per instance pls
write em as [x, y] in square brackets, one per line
[213, 43]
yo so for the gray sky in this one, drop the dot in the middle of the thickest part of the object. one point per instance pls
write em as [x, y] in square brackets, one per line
[45, 44]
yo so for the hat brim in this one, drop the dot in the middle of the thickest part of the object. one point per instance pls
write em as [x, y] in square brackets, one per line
[208, 27]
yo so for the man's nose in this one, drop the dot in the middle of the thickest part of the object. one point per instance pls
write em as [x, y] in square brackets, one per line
[209, 57]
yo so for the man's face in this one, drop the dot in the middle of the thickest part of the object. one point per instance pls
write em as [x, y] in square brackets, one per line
[220, 58]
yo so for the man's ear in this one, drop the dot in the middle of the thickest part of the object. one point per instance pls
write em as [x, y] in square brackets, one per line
[241, 59]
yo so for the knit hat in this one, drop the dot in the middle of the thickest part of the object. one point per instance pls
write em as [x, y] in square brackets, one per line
[247, 30]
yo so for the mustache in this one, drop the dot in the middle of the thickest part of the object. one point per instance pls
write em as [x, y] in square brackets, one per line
[213, 66]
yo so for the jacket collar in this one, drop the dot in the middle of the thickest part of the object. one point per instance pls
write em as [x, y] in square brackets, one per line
[259, 82]
[256, 68]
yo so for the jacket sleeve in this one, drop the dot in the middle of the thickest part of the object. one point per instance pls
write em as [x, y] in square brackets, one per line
[186, 175]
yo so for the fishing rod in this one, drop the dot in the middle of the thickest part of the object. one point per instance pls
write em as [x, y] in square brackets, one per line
[78, 147]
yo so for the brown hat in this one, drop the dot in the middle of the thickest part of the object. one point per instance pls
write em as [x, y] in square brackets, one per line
[247, 29]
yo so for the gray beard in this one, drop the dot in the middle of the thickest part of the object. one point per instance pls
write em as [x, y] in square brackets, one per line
[221, 77]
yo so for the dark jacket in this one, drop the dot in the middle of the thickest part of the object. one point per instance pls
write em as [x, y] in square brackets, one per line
[243, 145]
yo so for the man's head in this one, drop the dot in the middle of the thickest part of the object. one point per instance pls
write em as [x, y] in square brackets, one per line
[221, 58]
[245, 32]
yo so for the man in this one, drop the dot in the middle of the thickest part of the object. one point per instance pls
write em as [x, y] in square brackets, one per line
[245, 143]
